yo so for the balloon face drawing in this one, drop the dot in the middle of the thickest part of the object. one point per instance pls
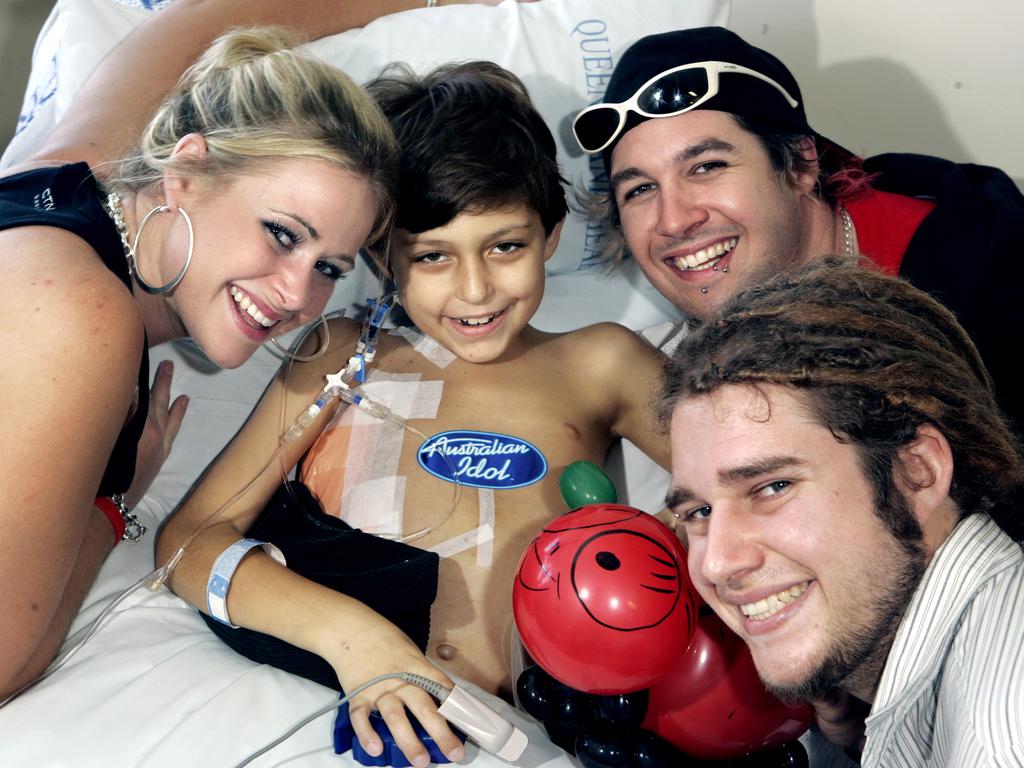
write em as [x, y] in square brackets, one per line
[626, 580]
[602, 599]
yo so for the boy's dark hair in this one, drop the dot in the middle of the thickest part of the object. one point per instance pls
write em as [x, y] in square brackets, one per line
[470, 140]
[874, 359]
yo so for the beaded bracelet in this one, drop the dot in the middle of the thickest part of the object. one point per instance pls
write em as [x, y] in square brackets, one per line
[127, 526]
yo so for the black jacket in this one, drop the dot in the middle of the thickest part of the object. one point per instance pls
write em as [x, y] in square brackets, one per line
[968, 253]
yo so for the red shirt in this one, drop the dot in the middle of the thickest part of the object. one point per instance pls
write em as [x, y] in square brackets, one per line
[885, 223]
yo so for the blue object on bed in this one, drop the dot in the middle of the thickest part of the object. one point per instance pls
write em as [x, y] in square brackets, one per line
[345, 739]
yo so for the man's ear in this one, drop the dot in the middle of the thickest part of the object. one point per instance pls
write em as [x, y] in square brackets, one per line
[191, 146]
[807, 180]
[552, 242]
[925, 474]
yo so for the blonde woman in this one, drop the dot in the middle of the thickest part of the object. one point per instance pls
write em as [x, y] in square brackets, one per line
[250, 192]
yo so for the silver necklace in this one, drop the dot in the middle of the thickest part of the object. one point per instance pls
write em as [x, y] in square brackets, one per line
[116, 214]
[847, 230]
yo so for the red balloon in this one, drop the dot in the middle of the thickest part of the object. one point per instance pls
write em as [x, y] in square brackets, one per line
[603, 600]
[712, 704]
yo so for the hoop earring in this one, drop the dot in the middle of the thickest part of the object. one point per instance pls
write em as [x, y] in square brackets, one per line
[131, 254]
[324, 344]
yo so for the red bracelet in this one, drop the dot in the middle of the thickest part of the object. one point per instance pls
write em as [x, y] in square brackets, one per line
[110, 508]
[127, 527]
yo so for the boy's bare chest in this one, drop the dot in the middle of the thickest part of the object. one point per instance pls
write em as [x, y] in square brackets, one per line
[535, 397]
[485, 448]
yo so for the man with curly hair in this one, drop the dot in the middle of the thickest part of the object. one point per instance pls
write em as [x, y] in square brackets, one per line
[851, 499]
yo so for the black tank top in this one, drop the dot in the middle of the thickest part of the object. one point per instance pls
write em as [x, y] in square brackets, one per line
[68, 197]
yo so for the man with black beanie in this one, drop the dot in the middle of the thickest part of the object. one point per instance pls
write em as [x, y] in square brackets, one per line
[717, 181]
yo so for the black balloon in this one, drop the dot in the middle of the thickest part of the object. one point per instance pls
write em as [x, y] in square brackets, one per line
[602, 731]
[572, 715]
[652, 751]
[605, 751]
[562, 736]
[790, 755]
[625, 710]
[575, 712]
[535, 693]
[563, 691]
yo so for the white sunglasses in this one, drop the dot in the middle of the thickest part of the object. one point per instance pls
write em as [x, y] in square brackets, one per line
[670, 93]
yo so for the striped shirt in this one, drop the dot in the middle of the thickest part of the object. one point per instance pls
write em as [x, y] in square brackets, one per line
[952, 691]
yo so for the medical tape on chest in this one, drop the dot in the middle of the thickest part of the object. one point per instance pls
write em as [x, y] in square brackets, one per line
[481, 537]
[364, 488]
[426, 346]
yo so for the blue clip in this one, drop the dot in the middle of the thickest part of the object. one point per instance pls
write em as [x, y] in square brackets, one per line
[377, 311]
[360, 372]
[345, 739]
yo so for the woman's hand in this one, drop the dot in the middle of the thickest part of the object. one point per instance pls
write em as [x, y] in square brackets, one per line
[377, 648]
[162, 424]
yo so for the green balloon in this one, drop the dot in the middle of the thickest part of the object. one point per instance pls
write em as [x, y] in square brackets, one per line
[583, 482]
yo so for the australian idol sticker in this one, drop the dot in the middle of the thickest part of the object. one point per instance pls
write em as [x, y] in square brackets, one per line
[482, 459]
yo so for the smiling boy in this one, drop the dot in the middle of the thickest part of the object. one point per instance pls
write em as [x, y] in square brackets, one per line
[851, 498]
[495, 403]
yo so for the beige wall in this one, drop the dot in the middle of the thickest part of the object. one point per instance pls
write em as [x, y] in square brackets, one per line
[939, 77]
[20, 21]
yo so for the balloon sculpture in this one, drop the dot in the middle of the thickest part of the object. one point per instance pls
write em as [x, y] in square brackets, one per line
[630, 671]
[617, 573]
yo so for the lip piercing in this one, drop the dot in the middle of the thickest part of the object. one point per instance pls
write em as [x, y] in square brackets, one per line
[724, 270]
[703, 290]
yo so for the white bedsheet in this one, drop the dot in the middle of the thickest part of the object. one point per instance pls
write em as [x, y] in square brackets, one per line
[156, 688]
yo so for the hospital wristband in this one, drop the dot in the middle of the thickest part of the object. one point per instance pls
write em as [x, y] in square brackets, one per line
[223, 571]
